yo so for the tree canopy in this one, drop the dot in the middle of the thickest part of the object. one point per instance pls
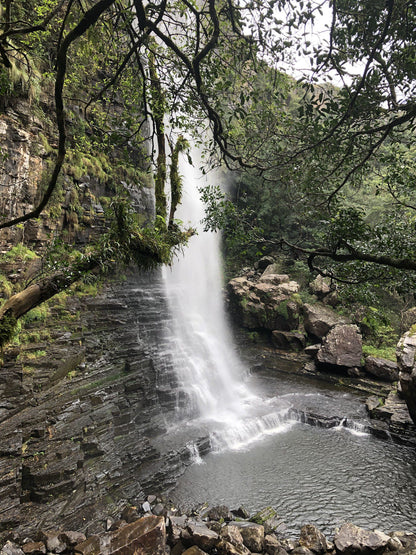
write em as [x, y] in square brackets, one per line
[304, 145]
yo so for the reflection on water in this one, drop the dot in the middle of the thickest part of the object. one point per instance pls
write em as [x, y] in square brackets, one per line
[311, 475]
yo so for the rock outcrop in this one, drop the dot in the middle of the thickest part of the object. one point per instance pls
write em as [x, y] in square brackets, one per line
[78, 429]
[265, 303]
[382, 369]
[289, 340]
[319, 319]
[406, 351]
[352, 540]
[342, 347]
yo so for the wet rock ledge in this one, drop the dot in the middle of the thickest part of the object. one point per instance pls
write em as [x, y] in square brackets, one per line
[156, 528]
[79, 428]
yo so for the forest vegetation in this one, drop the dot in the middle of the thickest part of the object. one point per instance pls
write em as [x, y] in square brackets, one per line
[322, 165]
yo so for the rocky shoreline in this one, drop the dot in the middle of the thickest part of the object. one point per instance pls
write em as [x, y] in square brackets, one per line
[156, 527]
[268, 303]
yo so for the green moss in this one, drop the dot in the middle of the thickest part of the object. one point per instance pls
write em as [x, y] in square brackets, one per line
[6, 287]
[37, 314]
[296, 298]
[19, 252]
[79, 163]
[34, 336]
[264, 515]
[45, 143]
[28, 370]
[412, 330]
[86, 289]
[32, 355]
[244, 303]
[307, 297]
[59, 300]
[388, 353]
[8, 328]
[282, 309]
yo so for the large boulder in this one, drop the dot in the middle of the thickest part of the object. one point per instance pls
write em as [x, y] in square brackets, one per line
[269, 518]
[320, 286]
[382, 368]
[288, 340]
[273, 268]
[175, 526]
[52, 541]
[200, 535]
[146, 536]
[319, 319]
[226, 548]
[341, 347]
[194, 550]
[352, 540]
[231, 534]
[220, 512]
[34, 548]
[232, 541]
[405, 352]
[313, 539]
[253, 535]
[10, 548]
[267, 303]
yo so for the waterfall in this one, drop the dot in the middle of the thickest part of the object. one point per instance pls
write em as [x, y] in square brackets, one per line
[209, 370]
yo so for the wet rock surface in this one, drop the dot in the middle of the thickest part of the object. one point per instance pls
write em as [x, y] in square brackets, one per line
[342, 346]
[78, 432]
[382, 369]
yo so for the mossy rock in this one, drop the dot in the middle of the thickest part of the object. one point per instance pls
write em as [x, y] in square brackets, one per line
[268, 518]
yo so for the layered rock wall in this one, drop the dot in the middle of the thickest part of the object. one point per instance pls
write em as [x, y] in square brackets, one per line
[79, 411]
[78, 431]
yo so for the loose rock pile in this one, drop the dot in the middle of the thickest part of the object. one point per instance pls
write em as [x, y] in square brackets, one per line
[157, 529]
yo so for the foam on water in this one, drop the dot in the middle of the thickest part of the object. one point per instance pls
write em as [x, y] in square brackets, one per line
[353, 427]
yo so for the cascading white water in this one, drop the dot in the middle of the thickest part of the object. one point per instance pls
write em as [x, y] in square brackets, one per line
[209, 371]
[207, 366]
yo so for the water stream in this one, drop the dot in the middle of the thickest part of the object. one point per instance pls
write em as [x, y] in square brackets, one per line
[261, 454]
[208, 368]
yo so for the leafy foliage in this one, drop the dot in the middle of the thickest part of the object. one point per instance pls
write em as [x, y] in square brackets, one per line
[325, 171]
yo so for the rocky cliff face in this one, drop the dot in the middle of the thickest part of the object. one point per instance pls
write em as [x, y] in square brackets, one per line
[27, 150]
[78, 431]
[79, 412]
[21, 165]
[406, 357]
